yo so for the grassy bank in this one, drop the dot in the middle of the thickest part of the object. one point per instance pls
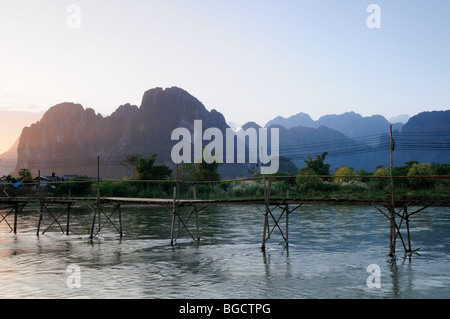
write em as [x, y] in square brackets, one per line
[317, 188]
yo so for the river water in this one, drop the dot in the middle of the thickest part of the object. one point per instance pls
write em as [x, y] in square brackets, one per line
[330, 250]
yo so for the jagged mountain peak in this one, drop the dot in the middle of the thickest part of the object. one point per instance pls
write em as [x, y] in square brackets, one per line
[250, 124]
[299, 119]
[156, 98]
[66, 112]
[77, 135]
[350, 123]
[125, 110]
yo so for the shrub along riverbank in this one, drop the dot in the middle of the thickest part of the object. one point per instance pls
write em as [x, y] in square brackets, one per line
[314, 187]
[414, 181]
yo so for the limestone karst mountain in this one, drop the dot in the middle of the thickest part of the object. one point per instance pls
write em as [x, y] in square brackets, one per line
[69, 138]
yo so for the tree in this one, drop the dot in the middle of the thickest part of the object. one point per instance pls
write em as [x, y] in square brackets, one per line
[440, 169]
[317, 164]
[145, 168]
[287, 166]
[11, 179]
[78, 186]
[199, 171]
[344, 170]
[131, 160]
[420, 170]
[411, 163]
[25, 175]
[381, 182]
[308, 178]
[186, 172]
[364, 173]
[207, 171]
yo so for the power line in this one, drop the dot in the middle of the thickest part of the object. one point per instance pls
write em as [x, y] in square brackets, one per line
[408, 141]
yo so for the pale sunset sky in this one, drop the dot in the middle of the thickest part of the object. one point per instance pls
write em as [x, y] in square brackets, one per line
[251, 60]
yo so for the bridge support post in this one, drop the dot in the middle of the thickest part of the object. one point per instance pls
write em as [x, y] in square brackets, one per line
[196, 224]
[266, 213]
[120, 220]
[41, 212]
[174, 213]
[392, 235]
[91, 236]
[407, 228]
[69, 207]
[16, 212]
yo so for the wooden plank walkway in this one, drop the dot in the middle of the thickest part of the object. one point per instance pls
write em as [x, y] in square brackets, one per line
[235, 201]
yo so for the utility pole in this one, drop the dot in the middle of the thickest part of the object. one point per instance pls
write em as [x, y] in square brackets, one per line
[97, 203]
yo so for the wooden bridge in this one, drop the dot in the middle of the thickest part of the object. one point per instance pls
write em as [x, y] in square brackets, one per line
[397, 214]
[396, 211]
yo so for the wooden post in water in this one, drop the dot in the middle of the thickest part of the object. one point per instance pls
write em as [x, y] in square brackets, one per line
[263, 244]
[16, 212]
[41, 211]
[97, 202]
[287, 219]
[91, 236]
[196, 223]
[98, 192]
[407, 229]
[267, 211]
[98, 177]
[267, 202]
[120, 220]
[174, 211]
[392, 206]
[69, 207]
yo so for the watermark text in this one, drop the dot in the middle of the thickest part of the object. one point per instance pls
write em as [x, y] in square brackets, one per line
[214, 151]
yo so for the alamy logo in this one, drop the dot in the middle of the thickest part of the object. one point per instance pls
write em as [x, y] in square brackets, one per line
[74, 18]
[74, 278]
[213, 151]
[374, 19]
[374, 279]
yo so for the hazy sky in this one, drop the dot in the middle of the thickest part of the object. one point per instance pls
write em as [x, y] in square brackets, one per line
[249, 59]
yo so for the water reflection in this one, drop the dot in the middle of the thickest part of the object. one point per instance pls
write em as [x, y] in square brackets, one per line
[327, 257]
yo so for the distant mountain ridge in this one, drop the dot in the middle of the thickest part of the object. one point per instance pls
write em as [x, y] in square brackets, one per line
[68, 138]
[364, 144]
[350, 123]
[426, 128]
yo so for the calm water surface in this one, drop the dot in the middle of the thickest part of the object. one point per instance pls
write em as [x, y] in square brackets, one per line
[329, 252]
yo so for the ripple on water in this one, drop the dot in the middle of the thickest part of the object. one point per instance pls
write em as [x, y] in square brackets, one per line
[327, 257]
